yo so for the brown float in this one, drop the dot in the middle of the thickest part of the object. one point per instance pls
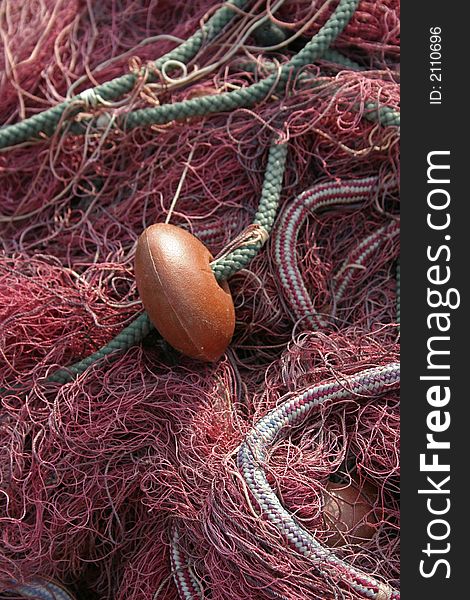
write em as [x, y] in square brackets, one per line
[190, 309]
[349, 512]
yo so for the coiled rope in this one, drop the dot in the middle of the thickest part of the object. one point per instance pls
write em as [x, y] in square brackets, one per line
[252, 456]
[253, 450]
[291, 413]
[323, 195]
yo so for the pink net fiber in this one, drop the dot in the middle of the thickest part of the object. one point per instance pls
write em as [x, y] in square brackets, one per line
[124, 483]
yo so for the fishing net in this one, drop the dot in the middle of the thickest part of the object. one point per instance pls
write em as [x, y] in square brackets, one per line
[138, 478]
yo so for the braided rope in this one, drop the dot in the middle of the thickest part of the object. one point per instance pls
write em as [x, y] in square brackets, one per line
[211, 234]
[222, 268]
[186, 583]
[373, 111]
[265, 215]
[318, 47]
[47, 121]
[239, 258]
[245, 97]
[285, 241]
[334, 56]
[41, 589]
[323, 195]
[360, 255]
[128, 337]
[373, 381]
[253, 453]
[384, 115]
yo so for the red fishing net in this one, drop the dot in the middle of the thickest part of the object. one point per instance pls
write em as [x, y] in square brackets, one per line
[109, 483]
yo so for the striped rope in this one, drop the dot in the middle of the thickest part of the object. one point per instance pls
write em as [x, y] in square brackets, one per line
[41, 589]
[278, 422]
[359, 257]
[186, 582]
[285, 236]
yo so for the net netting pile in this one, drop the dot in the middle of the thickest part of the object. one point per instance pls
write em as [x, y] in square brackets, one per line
[124, 483]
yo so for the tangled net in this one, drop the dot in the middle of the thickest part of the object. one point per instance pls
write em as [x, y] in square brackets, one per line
[124, 483]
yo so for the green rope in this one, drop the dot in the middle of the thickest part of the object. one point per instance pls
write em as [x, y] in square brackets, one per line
[386, 116]
[269, 201]
[222, 269]
[336, 57]
[244, 97]
[374, 112]
[128, 337]
[47, 121]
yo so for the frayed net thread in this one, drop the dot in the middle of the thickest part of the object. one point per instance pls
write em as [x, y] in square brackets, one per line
[120, 452]
[96, 475]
